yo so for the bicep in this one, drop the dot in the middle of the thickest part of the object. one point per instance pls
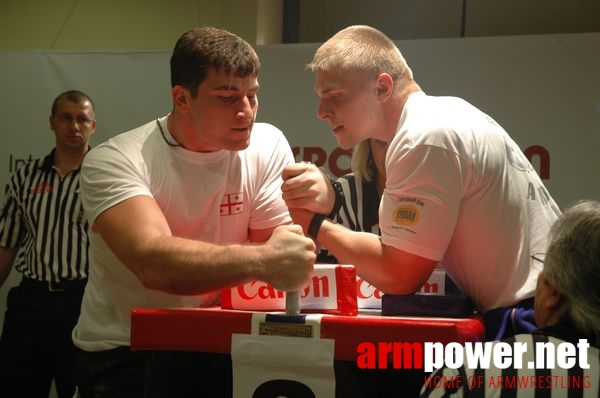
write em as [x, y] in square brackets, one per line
[130, 226]
[421, 203]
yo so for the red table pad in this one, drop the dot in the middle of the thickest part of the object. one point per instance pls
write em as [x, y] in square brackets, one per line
[210, 330]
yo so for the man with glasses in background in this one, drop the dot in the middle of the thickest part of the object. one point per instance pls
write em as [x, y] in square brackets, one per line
[43, 233]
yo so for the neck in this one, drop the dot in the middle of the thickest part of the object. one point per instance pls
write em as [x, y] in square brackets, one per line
[396, 107]
[183, 131]
[66, 161]
[177, 126]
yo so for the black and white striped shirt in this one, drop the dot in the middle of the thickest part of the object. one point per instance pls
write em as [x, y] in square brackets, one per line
[43, 217]
[543, 382]
[359, 211]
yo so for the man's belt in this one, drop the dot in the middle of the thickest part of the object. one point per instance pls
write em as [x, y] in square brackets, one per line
[54, 286]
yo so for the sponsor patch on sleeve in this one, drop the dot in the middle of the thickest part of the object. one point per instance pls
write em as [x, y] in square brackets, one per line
[406, 214]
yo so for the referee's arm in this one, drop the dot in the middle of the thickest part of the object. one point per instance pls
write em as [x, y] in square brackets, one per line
[7, 258]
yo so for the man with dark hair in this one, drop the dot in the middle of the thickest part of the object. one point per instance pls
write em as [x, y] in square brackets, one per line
[44, 234]
[182, 207]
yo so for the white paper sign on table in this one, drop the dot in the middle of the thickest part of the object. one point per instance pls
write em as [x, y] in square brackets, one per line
[282, 366]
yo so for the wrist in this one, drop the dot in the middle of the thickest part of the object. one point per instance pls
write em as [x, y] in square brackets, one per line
[338, 194]
[339, 198]
[315, 225]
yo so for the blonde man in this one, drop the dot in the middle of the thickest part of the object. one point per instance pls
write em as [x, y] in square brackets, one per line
[458, 189]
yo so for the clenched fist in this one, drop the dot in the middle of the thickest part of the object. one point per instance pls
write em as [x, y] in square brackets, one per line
[306, 187]
[291, 259]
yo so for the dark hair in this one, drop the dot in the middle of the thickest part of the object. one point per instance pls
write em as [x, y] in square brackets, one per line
[74, 96]
[207, 47]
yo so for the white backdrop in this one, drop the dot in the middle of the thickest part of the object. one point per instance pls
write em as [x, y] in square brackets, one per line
[545, 91]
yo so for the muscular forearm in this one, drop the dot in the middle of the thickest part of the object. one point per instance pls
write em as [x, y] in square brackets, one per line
[391, 270]
[183, 266]
[136, 231]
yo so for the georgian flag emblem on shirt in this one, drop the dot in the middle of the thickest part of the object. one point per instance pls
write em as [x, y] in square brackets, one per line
[232, 203]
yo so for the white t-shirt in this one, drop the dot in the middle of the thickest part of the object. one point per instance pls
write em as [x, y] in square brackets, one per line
[215, 197]
[460, 190]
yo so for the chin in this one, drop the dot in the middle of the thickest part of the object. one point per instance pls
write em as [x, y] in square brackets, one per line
[344, 144]
[345, 141]
[239, 146]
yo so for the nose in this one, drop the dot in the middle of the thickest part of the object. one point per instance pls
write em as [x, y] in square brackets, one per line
[323, 112]
[247, 110]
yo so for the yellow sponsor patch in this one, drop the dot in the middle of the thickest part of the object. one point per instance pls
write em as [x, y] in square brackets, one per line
[406, 215]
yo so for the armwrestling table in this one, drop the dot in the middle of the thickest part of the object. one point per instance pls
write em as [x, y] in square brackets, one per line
[209, 330]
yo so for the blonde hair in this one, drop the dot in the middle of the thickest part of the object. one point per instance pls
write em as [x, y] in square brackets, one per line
[362, 162]
[361, 48]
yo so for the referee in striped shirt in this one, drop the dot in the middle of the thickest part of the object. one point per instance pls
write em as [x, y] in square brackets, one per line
[567, 309]
[43, 233]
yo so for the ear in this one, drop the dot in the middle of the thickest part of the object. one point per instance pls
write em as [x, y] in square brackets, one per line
[181, 98]
[553, 298]
[385, 86]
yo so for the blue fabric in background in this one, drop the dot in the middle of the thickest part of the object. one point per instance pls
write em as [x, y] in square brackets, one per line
[505, 322]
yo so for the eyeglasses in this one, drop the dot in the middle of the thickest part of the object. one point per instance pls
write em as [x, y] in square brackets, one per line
[539, 257]
[538, 260]
[67, 119]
